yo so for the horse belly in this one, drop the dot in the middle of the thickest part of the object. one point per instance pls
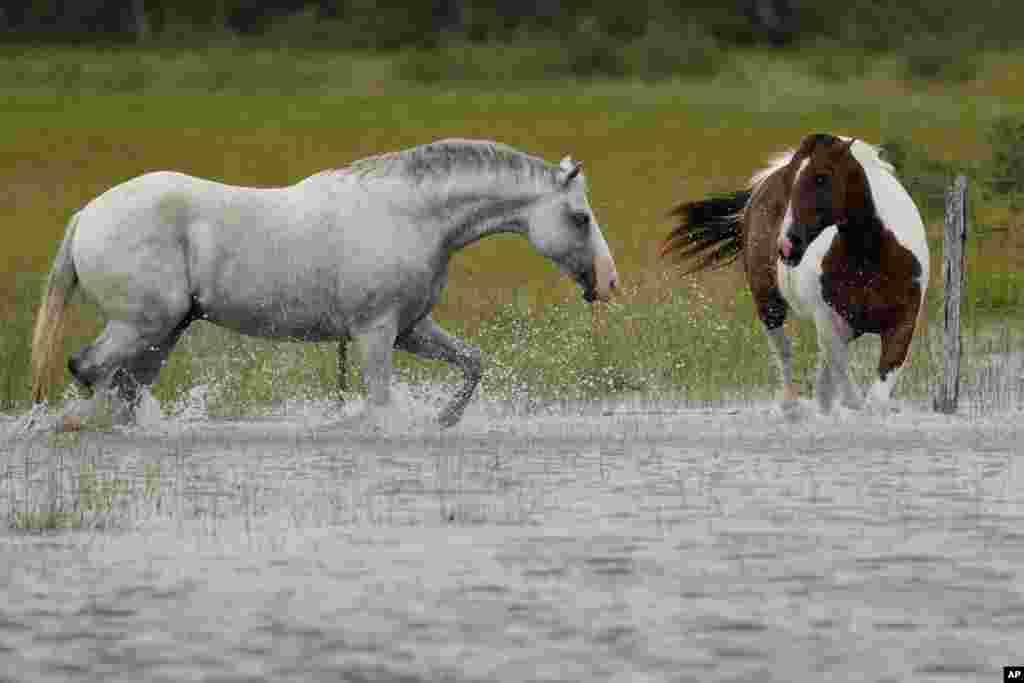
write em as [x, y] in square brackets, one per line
[312, 303]
[274, 307]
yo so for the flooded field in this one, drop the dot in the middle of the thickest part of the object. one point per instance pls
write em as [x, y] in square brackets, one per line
[653, 542]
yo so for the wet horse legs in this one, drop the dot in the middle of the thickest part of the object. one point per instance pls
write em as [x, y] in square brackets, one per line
[428, 340]
[123, 361]
[834, 336]
[895, 347]
[784, 358]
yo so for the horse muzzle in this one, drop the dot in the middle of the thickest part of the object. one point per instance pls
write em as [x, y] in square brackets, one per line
[791, 250]
[587, 281]
[604, 280]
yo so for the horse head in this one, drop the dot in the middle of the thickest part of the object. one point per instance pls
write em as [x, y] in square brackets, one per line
[826, 186]
[563, 228]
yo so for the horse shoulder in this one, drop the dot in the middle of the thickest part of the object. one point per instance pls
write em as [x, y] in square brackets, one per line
[901, 217]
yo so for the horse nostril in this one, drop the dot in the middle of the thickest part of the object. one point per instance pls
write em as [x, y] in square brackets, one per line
[612, 285]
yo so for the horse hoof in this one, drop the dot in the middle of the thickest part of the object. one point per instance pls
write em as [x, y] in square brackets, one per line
[881, 407]
[447, 420]
[791, 410]
[69, 423]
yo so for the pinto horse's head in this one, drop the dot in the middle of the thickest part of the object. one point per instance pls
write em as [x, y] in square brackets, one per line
[563, 228]
[827, 186]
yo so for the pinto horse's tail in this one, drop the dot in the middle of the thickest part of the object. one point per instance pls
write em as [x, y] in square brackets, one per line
[708, 231]
[50, 320]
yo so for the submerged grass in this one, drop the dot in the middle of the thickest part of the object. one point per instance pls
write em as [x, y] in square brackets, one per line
[81, 121]
[60, 487]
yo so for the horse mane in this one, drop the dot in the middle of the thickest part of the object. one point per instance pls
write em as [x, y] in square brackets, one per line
[869, 156]
[777, 163]
[455, 156]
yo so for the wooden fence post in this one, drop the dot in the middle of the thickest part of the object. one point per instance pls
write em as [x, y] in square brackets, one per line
[953, 279]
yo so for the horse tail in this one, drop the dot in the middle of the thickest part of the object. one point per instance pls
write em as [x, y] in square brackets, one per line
[60, 285]
[707, 231]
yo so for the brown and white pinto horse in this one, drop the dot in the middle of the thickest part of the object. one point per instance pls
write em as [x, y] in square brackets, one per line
[828, 231]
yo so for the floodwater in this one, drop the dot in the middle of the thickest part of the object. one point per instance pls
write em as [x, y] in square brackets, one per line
[587, 542]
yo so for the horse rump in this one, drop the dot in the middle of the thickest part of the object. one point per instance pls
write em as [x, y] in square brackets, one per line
[707, 231]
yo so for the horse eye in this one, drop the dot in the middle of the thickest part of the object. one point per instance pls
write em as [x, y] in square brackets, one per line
[581, 219]
[820, 179]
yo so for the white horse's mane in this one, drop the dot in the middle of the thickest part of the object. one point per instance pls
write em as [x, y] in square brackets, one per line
[867, 154]
[443, 158]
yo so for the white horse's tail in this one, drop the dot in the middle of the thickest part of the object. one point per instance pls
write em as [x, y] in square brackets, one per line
[50, 320]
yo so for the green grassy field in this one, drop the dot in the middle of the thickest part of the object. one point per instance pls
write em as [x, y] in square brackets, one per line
[78, 122]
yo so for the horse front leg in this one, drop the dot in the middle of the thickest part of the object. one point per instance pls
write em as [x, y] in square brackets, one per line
[377, 344]
[834, 336]
[427, 340]
[895, 348]
[772, 310]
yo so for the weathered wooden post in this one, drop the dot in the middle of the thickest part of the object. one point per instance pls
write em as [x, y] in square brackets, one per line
[953, 278]
[342, 369]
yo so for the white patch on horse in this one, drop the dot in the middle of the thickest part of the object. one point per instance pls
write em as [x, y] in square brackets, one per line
[881, 389]
[801, 285]
[894, 205]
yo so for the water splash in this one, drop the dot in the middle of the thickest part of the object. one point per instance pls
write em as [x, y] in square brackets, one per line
[193, 406]
[149, 413]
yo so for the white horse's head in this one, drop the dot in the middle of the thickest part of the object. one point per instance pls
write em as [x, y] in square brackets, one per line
[563, 228]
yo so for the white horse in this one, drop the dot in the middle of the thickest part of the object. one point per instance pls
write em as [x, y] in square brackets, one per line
[360, 253]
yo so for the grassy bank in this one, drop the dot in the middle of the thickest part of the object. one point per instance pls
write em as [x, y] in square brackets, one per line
[81, 121]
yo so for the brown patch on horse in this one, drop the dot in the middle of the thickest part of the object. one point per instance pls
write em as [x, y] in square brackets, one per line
[868, 277]
[873, 282]
[760, 254]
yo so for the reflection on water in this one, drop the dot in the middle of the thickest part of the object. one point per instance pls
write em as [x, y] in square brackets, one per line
[585, 542]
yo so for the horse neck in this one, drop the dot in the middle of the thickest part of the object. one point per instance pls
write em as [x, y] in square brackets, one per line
[863, 230]
[487, 209]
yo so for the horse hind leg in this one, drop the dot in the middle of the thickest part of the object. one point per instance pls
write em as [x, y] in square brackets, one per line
[783, 351]
[100, 366]
[122, 361]
[773, 316]
[427, 340]
[142, 370]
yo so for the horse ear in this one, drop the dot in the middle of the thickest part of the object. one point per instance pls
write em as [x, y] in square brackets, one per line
[569, 169]
[806, 146]
[846, 147]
